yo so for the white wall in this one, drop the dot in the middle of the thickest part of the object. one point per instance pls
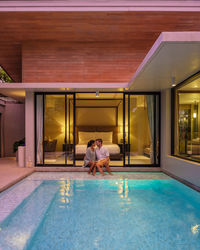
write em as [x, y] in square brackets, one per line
[29, 129]
[96, 116]
[187, 170]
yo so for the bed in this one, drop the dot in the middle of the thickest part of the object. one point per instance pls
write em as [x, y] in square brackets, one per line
[109, 141]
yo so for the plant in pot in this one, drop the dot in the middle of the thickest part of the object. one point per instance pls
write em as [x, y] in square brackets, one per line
[17, 144]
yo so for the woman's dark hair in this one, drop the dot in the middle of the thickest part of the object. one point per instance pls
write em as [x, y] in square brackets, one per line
[90, 143]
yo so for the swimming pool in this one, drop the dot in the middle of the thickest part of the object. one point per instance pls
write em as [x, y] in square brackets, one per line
[120, 212]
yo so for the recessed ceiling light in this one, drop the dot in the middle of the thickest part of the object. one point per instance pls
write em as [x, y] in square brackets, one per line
[173, 81]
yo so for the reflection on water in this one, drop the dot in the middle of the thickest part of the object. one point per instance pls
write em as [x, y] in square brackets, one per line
[195, 229]
[106, 214]
[65, 191]
[123, 189]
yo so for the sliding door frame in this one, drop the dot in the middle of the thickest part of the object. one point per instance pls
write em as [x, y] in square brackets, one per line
[157, 115]
[43, 94]
[125, 93]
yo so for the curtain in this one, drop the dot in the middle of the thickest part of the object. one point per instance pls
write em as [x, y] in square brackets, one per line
[39, 126]
[150, 112]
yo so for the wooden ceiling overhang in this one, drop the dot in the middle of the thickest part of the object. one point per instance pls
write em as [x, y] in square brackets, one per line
[137, 30]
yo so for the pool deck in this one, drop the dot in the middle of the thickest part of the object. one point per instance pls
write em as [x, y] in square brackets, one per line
[10, 173]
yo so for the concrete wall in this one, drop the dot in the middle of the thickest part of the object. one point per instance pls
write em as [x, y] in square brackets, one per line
[14, 126]
[187, 170]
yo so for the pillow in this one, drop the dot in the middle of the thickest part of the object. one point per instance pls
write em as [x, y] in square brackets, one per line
[85, 137]
[107, 137]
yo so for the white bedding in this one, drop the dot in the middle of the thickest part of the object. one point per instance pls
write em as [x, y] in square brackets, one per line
[113, 149]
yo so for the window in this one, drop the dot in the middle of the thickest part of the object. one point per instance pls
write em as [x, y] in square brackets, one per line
[186, 141]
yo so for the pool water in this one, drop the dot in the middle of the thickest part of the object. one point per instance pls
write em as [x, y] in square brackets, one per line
[105, 214]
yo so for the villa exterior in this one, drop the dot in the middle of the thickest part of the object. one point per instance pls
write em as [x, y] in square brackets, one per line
[126, 71]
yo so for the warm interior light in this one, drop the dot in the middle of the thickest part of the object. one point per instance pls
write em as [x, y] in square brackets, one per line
[194, 115]
[63, 129]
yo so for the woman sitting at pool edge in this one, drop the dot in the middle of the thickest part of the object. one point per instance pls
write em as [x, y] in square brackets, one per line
[90, 158]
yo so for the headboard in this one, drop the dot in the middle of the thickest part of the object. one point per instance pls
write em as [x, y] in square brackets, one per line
[113, 129]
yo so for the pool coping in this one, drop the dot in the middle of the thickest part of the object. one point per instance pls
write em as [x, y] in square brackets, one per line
[187, 183]
[74, 169]
[81, 169]
[18, 179]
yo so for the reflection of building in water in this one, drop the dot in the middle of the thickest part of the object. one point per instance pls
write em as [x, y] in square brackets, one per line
[65, 192]
[123, 189]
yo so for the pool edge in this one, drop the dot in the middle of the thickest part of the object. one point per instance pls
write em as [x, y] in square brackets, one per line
[187, 183]
[13, 182]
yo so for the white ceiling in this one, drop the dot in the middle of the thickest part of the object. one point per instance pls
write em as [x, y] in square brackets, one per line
[192, 86]
[189, 98]
[174, 54]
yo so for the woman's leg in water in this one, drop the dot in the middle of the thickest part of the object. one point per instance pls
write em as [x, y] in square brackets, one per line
[91, 164]
[94, 170]
[100, 168]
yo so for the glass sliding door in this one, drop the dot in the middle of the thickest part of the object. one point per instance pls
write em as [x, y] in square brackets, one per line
[54, 129]
[99, 117]
[39, 157]
[68, 146]
[128, 124]
[141, 129]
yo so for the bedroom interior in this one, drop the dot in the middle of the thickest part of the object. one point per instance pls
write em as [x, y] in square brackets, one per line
[67, 122]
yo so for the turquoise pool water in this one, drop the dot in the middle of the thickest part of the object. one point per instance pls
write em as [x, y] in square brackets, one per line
[105, 214]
